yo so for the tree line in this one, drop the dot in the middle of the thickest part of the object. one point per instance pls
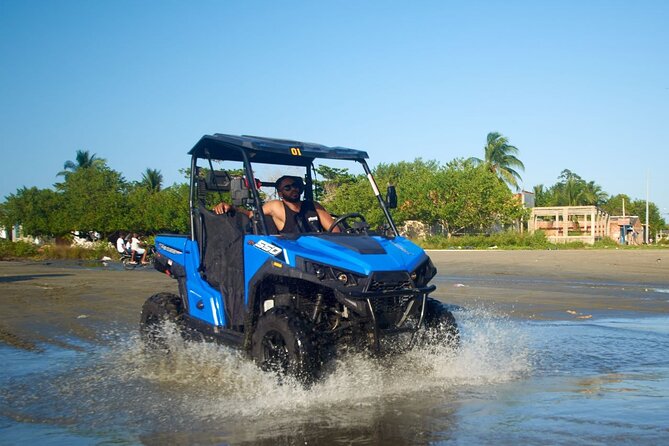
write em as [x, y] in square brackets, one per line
[462, 196]
[94, 197]
[572, 190]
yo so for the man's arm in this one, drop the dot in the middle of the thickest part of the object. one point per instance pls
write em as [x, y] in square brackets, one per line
[224, 208]
[269, 208]
[324, 217]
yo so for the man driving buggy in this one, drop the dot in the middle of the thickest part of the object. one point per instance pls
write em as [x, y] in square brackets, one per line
[290, 213]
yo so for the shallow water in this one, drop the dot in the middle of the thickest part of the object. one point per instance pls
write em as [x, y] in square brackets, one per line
[589, 382]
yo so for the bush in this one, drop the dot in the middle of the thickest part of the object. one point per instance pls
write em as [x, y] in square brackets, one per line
[21, 250]
[16, 250]
[506, 240]
[606, 242]
[99, 250]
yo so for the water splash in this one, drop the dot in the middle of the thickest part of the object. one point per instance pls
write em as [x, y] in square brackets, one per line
[210, 380]
[217, 391]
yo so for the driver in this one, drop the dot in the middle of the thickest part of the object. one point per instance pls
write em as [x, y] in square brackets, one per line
[290, 214]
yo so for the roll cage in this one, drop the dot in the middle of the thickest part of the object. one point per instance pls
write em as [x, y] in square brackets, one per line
[253, 149]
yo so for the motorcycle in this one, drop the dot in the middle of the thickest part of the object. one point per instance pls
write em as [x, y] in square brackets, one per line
[129, 263]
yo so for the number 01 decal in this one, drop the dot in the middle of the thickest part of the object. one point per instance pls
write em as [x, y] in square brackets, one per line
[295, 151]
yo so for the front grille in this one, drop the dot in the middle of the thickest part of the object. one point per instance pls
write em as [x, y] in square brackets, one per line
[390, 281]
[388, 310]
[390, 304]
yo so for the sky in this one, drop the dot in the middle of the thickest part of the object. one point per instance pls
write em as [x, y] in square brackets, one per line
[578, 85]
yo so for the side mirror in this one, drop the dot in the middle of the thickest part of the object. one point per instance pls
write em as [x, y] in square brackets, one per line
[239, 191]
[391, 197]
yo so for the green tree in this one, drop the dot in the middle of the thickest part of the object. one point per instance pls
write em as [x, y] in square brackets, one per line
[472, 199]
[614, 206]
[93, 200]
[413, 181]
[541, 196]
[571, 190]
[500, 158]
[83, 160]
[460, 196]
[36, 210]
[417, 185]
[594, 194]
[162, 211]
[152, 180]
[333, 178]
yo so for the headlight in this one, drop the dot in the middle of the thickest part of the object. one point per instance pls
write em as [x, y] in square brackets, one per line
[423, 274]
[324, 272]
[343, 278]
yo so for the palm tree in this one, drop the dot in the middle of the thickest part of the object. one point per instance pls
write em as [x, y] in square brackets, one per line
[500, 158]
[152, 179]
[541, 195]
[84, 160]
[571, 188]
[593, 194]
[575, 191]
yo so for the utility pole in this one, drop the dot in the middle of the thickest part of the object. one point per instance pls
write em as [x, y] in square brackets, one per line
[647, 187]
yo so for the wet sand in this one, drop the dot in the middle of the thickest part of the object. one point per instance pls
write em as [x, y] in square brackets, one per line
[44, 302]
[569, 285]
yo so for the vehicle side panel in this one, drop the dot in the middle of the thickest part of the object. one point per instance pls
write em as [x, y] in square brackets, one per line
[204, 302]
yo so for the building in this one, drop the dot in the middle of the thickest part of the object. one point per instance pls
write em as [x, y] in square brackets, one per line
[526, 198]
[587, 224]
[626, 230]
[564, 224]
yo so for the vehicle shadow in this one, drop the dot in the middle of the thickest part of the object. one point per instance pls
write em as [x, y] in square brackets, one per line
[23, 278]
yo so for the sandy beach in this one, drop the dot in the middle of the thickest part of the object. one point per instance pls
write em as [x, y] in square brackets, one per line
[42, 301]
[570, 284]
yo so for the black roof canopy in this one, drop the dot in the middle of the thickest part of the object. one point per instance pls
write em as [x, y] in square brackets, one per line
[269, 150]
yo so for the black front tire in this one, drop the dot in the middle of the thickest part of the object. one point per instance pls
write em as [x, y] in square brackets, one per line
[284, 342]
[439, 325]
[158, 309]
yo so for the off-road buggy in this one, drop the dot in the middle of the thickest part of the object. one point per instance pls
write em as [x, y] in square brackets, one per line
[292, 301]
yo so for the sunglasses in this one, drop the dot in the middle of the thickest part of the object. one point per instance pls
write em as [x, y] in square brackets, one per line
[291, 186]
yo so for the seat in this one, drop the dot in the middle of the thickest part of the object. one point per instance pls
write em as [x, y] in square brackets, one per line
[221, 242]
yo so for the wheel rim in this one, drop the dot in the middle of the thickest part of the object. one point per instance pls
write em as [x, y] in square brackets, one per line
[275, 352]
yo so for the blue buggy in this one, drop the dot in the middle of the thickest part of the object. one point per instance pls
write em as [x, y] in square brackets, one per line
[292, 301]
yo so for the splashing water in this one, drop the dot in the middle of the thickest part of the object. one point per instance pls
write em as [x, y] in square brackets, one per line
[211, 388]
[211, 379]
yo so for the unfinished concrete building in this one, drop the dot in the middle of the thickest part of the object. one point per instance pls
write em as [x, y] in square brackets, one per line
[587, 224]
[563, 224]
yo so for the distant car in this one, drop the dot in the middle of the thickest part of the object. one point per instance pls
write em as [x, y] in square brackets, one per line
[292, 301]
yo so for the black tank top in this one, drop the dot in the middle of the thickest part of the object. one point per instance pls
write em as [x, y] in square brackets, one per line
[304, 221]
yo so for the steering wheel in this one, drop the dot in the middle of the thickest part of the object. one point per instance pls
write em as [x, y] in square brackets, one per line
[341, 220]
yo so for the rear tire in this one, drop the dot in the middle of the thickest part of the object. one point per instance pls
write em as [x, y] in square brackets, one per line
[439, 325]
[158, 309]
[284, 343]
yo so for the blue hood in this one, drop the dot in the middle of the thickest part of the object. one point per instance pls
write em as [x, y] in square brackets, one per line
[356, 253]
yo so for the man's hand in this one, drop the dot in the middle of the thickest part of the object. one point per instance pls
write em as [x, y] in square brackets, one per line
[222, 208]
